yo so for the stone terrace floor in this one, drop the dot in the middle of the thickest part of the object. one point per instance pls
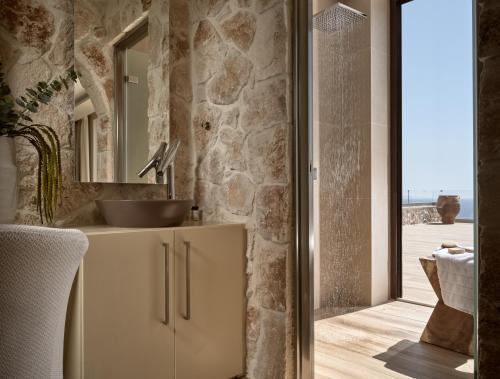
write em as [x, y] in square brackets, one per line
[419, 241]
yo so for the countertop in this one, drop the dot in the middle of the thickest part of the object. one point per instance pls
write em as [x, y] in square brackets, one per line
[106, 229]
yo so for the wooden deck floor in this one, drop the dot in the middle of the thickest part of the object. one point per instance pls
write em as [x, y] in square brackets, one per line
[383, 342]
[419, 241]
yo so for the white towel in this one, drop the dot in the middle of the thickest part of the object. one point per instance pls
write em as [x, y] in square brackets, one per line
[456, 275]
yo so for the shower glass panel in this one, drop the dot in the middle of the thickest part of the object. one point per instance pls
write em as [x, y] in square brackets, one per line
[341, 130]
[341, 187]
[359, 331]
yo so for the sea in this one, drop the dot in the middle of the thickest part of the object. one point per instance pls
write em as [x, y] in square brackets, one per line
[466, 206]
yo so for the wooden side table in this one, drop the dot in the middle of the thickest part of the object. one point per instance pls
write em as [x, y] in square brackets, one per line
[447, 327]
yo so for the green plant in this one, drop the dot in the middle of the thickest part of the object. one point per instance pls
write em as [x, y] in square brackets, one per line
[15, 121]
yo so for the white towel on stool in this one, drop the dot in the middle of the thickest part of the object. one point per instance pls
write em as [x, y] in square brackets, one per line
[456, 276]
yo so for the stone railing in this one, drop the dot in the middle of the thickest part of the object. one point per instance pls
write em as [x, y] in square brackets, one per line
[419, 213]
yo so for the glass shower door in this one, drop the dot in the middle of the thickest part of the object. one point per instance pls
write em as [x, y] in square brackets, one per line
[136, 94]
[341, 132]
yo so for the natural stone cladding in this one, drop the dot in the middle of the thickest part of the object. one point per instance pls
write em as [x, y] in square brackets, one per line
[488, 169]
[229, 65]
[419, 214]
[241, 80]
[36, 43]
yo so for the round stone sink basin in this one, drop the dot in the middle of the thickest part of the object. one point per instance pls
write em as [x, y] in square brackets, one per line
[144, 213]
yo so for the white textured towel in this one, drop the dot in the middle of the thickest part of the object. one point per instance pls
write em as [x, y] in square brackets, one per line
[456, 275]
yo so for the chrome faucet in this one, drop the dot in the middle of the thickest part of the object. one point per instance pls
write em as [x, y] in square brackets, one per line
[163, 163]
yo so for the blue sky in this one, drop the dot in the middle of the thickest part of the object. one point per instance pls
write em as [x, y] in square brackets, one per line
[438, 96]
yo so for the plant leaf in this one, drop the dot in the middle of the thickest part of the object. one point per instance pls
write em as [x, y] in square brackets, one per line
[31, 108]
[56, 85]
[32, 92]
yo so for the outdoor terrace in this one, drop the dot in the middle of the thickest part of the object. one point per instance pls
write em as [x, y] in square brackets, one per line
[420, 240]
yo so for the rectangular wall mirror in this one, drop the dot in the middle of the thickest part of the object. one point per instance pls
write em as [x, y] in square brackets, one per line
[122, 96]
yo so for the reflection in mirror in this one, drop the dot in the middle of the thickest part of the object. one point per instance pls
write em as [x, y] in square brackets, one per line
[121, 111]
[85, 136]
[131, 102]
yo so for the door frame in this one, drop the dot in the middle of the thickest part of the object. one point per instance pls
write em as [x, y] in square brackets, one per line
[304, 257]
[302, 157]
[395, 151]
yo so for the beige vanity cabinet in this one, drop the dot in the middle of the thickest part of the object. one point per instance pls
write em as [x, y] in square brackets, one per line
[210, 307]
[159, 304]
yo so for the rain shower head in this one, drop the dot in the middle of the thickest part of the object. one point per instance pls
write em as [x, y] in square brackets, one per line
[336, 17]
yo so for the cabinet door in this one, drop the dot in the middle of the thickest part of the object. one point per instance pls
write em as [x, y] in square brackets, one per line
[124, 330]
[210, 305]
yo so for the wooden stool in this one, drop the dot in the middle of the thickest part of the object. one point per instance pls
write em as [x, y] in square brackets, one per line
[447, 327]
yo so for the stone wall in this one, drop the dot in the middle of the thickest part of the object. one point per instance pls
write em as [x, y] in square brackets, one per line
[36, 43]
[93, 57]
[241, 67]
[419, 214]
[230, 67]
[488, 153]
[181, 96]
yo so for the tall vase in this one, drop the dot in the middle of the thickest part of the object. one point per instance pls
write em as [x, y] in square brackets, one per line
[448, 207]
[8, 180]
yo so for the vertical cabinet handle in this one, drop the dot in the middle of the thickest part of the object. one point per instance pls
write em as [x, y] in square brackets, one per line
[187, 315]
[166, 247]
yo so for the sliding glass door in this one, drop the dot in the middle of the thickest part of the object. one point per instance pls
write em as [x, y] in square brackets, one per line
[437, 141]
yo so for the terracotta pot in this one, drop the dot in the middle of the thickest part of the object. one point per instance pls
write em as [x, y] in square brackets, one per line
[8, 180]
[448, 207]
